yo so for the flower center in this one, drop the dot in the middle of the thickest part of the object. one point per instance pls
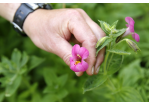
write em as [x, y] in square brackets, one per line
[78, 59]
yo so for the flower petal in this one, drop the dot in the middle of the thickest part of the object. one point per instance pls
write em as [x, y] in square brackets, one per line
[83, 53]
[75, 50]
[85, 65]
[129, 20]
[133, 35]
[137, 38]
[127, 25]
[79, 67]
[72, 63]
[131, 27]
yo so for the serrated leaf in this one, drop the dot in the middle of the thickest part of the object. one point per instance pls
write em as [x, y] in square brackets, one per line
[116, 33]
[113, 26]
[94, 81]
[105, 27]
[114, 63]
[12, 87]
[120, 52]
[34, 61]
[106, 42]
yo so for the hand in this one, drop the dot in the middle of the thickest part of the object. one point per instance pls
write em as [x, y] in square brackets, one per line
[51, 30]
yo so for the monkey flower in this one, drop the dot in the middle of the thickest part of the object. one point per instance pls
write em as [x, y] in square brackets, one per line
[130, 29]
[77, 62]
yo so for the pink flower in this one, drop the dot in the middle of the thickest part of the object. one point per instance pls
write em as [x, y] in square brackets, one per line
[77, 62]
[130, 29]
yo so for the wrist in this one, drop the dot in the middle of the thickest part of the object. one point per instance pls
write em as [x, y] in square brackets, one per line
[32, 20]
[7, 10]
[23, 12]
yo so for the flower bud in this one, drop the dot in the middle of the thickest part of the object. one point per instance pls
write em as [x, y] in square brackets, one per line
[132, 45]
[101, 41]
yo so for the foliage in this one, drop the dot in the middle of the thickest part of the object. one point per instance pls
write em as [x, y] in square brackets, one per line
[52, 80]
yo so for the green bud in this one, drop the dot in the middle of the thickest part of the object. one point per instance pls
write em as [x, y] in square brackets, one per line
[132, 45]
[101, 41]
[107, 26]
[114, 31]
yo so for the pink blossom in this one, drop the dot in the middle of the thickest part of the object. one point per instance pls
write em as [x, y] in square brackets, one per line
[77, 62]
[130, 29]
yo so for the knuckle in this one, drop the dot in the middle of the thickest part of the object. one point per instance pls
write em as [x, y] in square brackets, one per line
[93, 41]
[74, 14]
[66, 58]
[80, 10]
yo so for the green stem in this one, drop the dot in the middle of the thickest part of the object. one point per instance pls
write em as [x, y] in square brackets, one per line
[110, 61]
[106, 58]
[105, 63]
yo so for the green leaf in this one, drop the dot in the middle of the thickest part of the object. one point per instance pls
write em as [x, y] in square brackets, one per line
[13, 86]
[114, 63]
[94, 81]
[49, 89]
[34, 61]
[120, 52]
[106, 42]
[62, 80]
[50, 98]
[62, 94]
[132, 73]
[127, 94]
[116, 33]
[25, 59]
[105, 27]
[113, 26]
[2, 94]
[16, 57]
[49, 76]
[7, 62]
[28, 92]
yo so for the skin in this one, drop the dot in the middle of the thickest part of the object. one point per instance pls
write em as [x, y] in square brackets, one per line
[52, 30]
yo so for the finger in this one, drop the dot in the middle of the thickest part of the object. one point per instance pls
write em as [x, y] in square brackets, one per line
[64, 50]
[79, 73]
[99, 33]
[99, 60]
[84, 35]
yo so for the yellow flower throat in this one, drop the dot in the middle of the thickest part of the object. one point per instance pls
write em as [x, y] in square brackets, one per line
[78, 60]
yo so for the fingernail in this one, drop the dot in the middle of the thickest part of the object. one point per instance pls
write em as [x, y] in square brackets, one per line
[97, 70]
[93, 70]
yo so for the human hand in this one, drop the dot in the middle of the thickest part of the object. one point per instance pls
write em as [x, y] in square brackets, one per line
[51, 30]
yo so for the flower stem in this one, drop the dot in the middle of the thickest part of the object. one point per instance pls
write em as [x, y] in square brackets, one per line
[106, 58]
[105, 63]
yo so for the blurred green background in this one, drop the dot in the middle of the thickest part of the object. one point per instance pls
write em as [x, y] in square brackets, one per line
[52, 80]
